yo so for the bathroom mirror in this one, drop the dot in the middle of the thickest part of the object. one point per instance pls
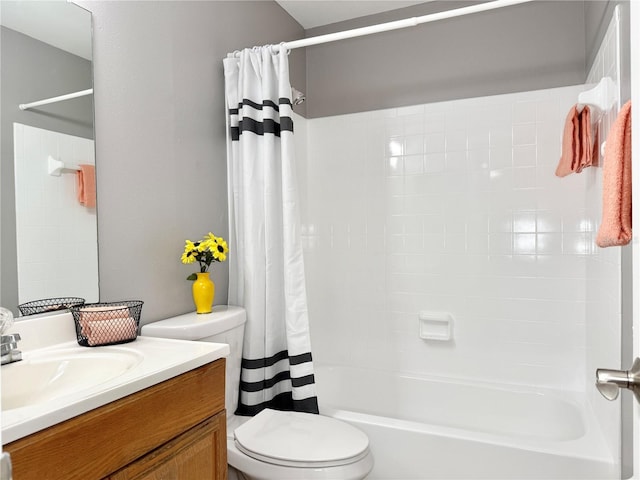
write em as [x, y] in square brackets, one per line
[48, 239]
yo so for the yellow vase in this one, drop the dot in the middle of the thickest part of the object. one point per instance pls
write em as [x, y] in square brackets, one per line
[204, 290]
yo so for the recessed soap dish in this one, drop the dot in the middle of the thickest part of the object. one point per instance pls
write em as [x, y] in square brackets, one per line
[436, 325]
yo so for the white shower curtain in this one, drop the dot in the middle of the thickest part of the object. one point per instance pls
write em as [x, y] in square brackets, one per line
[266, 268]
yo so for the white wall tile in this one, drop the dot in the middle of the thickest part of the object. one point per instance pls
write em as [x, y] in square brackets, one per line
[524, 134]
[456, 139]
[481, 228]
[524, 112]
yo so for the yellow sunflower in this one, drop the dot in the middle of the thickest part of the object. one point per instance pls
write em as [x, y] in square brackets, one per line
[204, 252]
[220, 249]
[206, 244]
[190, 252]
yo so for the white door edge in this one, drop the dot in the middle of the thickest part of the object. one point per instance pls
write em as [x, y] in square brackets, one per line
[635, 96]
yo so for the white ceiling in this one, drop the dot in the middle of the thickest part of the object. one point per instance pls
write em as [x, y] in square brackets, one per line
[314, 13]
[57, 22]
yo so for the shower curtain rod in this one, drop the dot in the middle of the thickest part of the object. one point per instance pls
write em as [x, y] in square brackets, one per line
[408, 22]
[47, 101]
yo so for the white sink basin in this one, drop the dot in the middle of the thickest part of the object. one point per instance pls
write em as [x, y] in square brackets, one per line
[46, 375]
[57, 379]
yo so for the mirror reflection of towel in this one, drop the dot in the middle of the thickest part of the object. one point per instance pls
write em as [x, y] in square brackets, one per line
[86, 185]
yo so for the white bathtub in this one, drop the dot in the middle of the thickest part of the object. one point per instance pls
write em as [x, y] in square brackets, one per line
[428, 428]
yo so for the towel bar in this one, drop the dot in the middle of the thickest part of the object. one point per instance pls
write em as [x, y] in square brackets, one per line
[55, 167]
[601, 97]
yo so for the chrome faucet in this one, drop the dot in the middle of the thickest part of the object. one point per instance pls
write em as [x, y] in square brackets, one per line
[9, 352]
[9, 348]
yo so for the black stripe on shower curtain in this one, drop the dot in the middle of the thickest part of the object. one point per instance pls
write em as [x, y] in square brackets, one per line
[283, 379]
[282, 401]
[259, 106]
[259, 127]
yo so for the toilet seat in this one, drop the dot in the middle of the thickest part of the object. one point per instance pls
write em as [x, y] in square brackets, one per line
[296, 439]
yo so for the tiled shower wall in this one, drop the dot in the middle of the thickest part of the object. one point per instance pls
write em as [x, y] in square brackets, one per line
[448, 207]
[46, 207]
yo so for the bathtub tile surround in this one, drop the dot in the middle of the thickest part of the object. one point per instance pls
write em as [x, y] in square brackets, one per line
[454, 208]
[47, 206]
[449, 207]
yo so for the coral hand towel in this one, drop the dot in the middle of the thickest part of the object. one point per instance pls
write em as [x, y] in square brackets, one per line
[585, 154]
[114, 330]
[576, 142]
[615, 229]
[570, 142]
[104, 325]
[86, 183]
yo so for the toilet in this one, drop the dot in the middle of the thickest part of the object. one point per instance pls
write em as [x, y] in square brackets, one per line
[273, 445]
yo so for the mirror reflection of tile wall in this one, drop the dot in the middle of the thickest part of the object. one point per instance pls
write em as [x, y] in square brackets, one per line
[56, 236]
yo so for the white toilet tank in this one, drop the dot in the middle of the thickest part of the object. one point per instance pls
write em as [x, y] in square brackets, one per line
[225, 324]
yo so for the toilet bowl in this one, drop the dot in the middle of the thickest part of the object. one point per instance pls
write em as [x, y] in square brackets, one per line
[297, 446]
[272, 445]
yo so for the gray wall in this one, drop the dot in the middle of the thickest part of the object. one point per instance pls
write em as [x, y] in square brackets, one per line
[518, 48]
[597, 14]
[32, 70]
[160, 115]
[160, 137]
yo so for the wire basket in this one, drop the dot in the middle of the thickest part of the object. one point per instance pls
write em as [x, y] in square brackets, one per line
[49, 305]
[107, 323]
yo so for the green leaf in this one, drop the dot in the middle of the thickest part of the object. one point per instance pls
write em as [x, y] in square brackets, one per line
[192, 277]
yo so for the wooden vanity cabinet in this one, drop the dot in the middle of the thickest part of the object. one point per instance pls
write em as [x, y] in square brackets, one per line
[174, 430]
[193, 455]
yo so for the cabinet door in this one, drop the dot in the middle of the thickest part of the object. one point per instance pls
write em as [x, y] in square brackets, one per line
[198, 454]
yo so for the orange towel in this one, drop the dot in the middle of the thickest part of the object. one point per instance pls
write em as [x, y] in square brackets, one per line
[86, 183]
[113, 330]
[107, 324]
[615, 229]
[586, 156]
[577, 142]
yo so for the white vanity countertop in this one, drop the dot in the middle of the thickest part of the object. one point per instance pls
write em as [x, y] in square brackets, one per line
[156, 360]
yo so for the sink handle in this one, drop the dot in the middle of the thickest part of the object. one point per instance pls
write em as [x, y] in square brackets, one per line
[9, 352]
[609, 382]
[11, 338]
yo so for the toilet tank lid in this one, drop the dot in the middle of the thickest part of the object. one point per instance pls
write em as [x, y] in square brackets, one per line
[194, 326]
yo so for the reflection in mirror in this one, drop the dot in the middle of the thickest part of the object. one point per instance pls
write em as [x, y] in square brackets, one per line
[48, 234]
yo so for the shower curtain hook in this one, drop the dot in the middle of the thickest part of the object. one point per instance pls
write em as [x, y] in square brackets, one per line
[283, 45]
